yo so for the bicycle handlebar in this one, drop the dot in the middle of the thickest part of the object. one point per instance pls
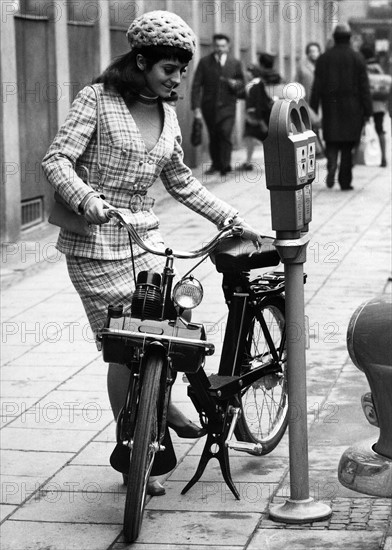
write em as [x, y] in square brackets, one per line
[231, 229]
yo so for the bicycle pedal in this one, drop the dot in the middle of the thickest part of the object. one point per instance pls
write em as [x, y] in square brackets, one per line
[252, 448]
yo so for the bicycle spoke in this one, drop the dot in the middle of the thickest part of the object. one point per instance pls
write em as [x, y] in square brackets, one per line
[264, 402]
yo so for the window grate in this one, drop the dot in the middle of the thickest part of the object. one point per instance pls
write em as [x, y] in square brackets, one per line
[32, 212]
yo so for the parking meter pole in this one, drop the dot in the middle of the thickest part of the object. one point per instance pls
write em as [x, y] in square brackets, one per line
[296, 364]
[290, 169]
[300, 507]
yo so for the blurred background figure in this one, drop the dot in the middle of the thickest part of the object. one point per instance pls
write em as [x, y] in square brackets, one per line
[380, 89]
[306, 67]
[258, 104]
[218, 82]
[305, 76]
[341, 86]
[270, 76]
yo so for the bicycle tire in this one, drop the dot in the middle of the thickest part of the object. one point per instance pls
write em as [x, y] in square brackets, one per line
[142, 454]
[264, 404]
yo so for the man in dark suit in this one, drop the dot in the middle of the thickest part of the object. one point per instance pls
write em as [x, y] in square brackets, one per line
[341, 85]
[218, 81]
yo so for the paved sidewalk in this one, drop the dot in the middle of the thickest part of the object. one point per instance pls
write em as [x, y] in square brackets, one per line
[58, 490]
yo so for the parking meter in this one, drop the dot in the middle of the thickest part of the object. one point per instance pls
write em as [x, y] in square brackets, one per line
[290, 157]
[290, 163]
[366, 467]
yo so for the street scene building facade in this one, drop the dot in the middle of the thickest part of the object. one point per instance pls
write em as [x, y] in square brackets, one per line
[46, 46]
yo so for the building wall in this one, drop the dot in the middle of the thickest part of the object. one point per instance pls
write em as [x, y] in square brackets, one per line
[76, 39]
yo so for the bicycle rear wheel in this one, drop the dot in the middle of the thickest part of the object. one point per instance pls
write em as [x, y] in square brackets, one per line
[143, 451]
[264, 404]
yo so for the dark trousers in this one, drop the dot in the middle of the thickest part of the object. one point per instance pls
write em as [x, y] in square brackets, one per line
[220, 145]
[346, 162]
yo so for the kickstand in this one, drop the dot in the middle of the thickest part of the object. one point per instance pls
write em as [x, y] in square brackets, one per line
[222, 455]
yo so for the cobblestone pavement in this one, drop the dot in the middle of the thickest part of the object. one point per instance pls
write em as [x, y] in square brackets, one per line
[58, 490]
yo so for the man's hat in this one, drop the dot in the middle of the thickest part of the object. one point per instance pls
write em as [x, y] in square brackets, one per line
[342, 30]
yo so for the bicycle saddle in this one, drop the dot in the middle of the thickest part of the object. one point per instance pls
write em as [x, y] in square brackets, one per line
[235, 254]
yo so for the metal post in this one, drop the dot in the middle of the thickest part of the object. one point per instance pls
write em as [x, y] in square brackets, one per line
[298, 440]
[300, 507]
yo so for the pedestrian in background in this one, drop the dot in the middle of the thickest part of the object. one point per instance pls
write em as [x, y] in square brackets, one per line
[379, 99]
[305, 76]
[341, 86]
[218, 82]
[271, 78]
[258, 109]
[306, 67]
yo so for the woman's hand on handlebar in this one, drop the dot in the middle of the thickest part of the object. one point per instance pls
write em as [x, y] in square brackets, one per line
[246, 231]
[95, 210]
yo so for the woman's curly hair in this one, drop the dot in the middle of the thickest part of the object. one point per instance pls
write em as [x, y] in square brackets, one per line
[124, 76]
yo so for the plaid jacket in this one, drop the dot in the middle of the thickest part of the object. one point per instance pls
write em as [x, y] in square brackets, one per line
[127, 171]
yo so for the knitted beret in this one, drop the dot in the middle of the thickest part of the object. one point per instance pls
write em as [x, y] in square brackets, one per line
[161, 28]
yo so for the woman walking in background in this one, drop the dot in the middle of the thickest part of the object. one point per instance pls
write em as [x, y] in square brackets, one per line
[380, 89]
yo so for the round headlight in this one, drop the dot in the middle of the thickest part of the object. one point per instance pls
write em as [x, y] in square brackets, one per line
[188, 293]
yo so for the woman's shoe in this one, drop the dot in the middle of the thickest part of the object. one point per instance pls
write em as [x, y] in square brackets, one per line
[155, 489]
[188, 431]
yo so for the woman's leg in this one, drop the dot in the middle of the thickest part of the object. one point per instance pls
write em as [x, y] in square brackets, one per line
[379, 125]
[250, 150]
[250, 147]
[118, 380]
[176, 416]
[381, 137]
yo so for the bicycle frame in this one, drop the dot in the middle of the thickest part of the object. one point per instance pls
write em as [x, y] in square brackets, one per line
[241, 312]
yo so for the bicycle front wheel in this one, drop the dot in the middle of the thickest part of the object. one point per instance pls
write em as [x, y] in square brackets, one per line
[143, 448]
[264, 404]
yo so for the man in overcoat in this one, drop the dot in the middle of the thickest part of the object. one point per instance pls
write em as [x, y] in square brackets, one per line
[341, 85]
[218, 81]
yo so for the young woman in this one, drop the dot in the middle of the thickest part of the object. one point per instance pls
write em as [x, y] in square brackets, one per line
[140, 139]
[258, 104]
[380, 102]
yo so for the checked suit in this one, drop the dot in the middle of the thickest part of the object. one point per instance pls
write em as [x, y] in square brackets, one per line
[100, 264]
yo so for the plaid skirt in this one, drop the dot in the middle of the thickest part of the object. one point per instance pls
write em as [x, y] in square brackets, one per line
[101, 283]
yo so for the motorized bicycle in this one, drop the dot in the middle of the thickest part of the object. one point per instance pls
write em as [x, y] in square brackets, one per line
[245, 405]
